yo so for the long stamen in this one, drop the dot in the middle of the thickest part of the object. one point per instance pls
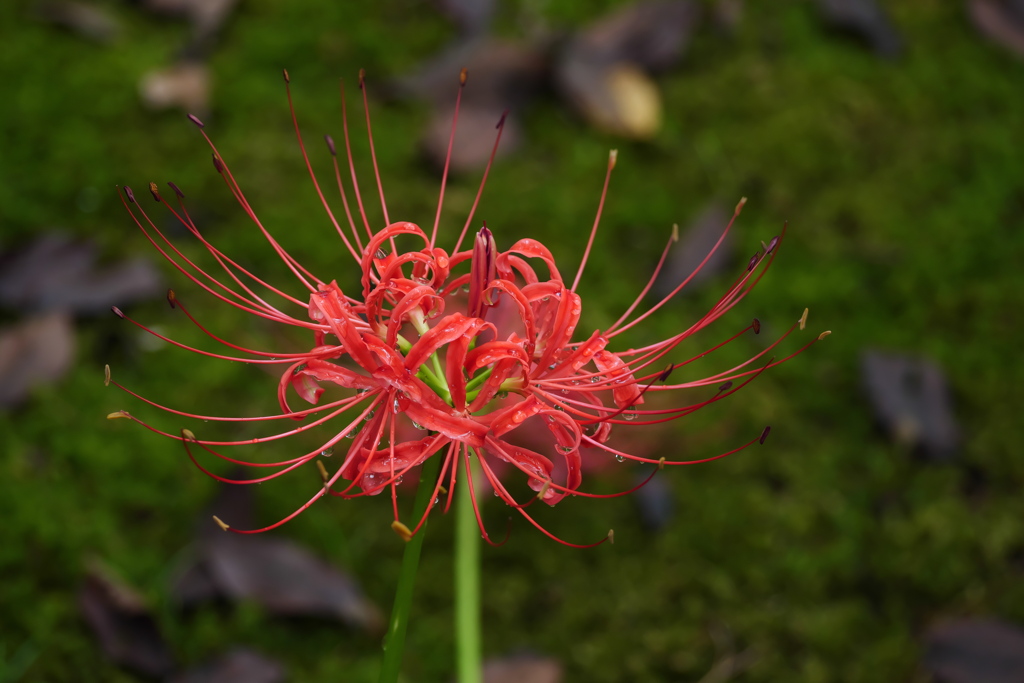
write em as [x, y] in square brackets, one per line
[612, 156]
[448, 156]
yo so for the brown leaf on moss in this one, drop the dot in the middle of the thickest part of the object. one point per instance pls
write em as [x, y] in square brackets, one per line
[56, 272]
[33, 352]
[121, 621]
[603, 71]
[865, 21]
[86, 20]
[185, 85]
[523, 669]
[911, 402]
[239, 665]
[975, 651]
[1002, 22]
[695, 244]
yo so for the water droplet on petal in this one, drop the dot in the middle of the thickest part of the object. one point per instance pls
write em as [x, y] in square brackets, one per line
[620, 458]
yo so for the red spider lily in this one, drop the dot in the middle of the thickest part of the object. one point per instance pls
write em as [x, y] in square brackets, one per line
[423, 373]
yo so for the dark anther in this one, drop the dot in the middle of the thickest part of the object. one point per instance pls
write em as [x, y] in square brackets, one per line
[665, 373]
[726, 386]
[764, 434]
[117, 311]
[195, 119]
[130, 194]
[330, 145]
[756, 325]
[753, 261]
[181, 195]
[771, 245]
[501, 121]
[217, 164]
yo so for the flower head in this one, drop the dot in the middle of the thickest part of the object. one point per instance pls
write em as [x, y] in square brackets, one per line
[444, 354]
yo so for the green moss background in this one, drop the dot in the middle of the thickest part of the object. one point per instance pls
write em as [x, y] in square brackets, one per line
[826, 552]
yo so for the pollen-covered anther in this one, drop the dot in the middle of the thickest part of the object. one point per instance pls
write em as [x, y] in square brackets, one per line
[463, 75]
[106, 375]
[661, 463]
[543, 490]
[764, 434]
[188, 435]
[221, 524]
[154, 191]
[613, 156]
[118, 414]
[287, 78]
[442, 490]
[611, 536]
[675, 232]
[803, 318]
[402, 530]
[323, 471]
[824, 334]
[740, 204]
[362, 78]
[172, 298]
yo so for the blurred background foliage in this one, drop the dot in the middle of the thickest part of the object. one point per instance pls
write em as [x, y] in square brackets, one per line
[825, 554]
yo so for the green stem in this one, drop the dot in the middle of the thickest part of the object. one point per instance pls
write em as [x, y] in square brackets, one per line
[467, 586]
[394, 641]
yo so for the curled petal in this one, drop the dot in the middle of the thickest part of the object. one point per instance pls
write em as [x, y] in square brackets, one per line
[624, 387]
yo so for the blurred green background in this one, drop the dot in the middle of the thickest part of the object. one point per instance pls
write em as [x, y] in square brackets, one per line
[825, 554]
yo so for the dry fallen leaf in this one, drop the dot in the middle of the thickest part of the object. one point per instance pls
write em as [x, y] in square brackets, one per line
[473, 17]
[33, 352]
[206, 16]
[474, 138]
[523, 669]
[652, 35]
[503, 77]
[277, 573]
[185, 85]
[602, 71]
[239, 665]
[863, 20]
[911, 401]
[86, 20]
[695, 244]
[56, 272]
[287, 580]
[122, 623]
[1000, 21]
[975, 651]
